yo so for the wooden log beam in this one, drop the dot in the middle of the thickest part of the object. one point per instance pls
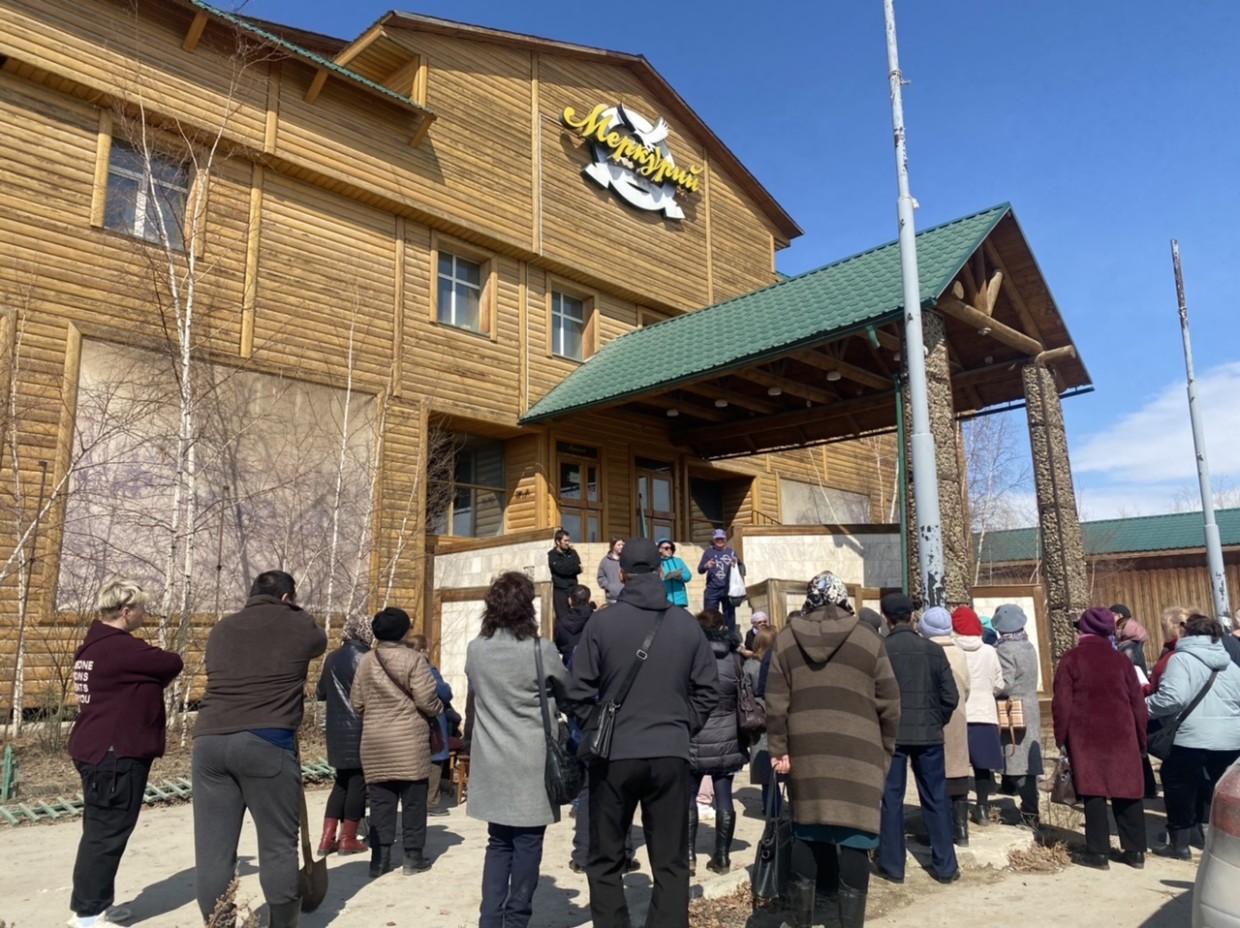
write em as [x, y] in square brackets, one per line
[958, 309]
[686, 406]
[715, 391]
[1055, 355]
[825, 362]
[196, 29]
[1022, 309]
[420, 133]
[790, 386]
[316, 85]
[794, 418]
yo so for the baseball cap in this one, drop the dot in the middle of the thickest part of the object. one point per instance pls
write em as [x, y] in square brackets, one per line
[718, 533]
[896, 604]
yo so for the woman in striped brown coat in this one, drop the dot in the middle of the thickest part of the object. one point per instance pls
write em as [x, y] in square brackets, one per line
[833, 709]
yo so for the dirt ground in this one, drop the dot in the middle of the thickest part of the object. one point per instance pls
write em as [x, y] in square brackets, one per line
[156, 878]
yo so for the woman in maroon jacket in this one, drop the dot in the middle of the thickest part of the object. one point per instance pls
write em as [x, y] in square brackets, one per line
[1100, 721]
[119, 731]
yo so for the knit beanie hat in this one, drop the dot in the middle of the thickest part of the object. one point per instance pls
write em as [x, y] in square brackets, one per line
[873, 619]
[966, 622]
[639, 556]
[1009, 618]
[390, 624]
[1097, 620]
[936, 623]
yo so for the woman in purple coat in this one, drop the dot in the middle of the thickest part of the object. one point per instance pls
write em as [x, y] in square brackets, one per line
[1100, 721]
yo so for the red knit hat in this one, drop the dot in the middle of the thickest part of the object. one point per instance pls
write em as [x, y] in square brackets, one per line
[966, 622]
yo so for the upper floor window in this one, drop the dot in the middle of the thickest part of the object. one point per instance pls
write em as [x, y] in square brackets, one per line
[146, 196]
[568, 326]
[460, 292]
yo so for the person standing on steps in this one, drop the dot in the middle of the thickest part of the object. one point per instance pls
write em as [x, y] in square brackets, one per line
[1022, 761]
[609, 571]
[981, 713]
[565, 565]
[717, 563]
[936, 625]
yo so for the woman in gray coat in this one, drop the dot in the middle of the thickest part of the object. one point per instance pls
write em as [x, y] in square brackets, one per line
[1023, 757]
[506, 785]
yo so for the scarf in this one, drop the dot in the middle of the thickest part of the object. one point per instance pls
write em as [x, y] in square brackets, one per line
[1018, 635]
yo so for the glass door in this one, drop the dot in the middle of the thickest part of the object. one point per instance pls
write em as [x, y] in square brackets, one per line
[656, 499]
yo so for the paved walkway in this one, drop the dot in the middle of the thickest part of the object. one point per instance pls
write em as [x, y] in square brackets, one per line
[156, 878]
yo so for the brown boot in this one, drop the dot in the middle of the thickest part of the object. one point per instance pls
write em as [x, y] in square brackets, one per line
[327, 843]
[349, 843]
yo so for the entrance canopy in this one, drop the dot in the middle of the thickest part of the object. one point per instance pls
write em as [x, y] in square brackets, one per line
[814, 358]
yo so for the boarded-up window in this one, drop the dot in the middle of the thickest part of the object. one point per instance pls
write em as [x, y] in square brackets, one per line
[813, 504]
[267, 454]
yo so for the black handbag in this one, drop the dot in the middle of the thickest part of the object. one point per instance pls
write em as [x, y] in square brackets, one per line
[1160, 733]
[772, 867]
[563, 773]
[750, 713]
[600, 724]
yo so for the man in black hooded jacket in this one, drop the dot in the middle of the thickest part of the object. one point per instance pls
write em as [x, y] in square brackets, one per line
[670, 700]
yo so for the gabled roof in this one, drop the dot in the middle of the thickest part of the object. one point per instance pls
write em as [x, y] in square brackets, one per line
[801, 311]
[677, 108]
[1138, 535]
[256, 28]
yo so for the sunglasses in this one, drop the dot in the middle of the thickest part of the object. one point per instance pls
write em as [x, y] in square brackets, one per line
[665, 547]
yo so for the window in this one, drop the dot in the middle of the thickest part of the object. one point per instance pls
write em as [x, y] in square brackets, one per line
[146, 195]
[578, 493]
[655, 498]
[814, 504]
[460, 292]
[568, 326]
[472, 503]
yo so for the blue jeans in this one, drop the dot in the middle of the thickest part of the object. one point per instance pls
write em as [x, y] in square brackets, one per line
[510, 875]
[717, 598]
[930, 771]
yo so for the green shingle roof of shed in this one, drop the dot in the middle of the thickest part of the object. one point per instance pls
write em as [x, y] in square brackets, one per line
[796, 312]
[1143, 534]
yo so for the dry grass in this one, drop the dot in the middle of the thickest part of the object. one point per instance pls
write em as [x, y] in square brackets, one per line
[1040, 858]
[228, 913]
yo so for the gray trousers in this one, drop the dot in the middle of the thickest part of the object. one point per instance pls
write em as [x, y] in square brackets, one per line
[233, 773]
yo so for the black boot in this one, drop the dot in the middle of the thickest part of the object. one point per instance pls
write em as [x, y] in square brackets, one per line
[380, 860]
[693, 823]
[1177, 848]
[1197, 837]
[801, 893]
[284, 914]
[725, 827]
[414, 862]
[960, 822]
[852, 907]
[981, 814]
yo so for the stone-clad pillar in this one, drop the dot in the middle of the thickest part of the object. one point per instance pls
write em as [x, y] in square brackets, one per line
[1063, 555]
[957, 537]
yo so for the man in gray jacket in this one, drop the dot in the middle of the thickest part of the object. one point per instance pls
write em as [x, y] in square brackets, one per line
[670, 700]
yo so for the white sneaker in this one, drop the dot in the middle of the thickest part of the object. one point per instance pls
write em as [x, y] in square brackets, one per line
[113, 917]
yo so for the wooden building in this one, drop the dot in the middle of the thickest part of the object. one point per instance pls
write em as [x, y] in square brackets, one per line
[272, 298]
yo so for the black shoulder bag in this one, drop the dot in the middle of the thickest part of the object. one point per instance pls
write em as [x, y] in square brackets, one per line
[1159, 741]
[563, 773]
[601, 723]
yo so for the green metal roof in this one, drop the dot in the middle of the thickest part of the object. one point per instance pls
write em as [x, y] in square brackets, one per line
[271, 38]
[1172, 532]
[797, 312]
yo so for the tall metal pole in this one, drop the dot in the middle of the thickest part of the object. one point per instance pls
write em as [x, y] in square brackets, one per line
[925, 465]
[1214, 549]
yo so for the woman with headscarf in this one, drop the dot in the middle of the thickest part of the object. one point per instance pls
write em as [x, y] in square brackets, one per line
[1022, 762]
[985, 683]
[394, 693]
[833, 710]
[936, 625]
[1208, 739]
[347, 802]
[1100, 720]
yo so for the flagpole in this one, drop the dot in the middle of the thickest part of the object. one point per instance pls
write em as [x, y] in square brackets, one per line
[1214, 548]
[925, 464]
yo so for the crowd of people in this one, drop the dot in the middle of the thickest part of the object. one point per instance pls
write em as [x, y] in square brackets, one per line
[851, 701]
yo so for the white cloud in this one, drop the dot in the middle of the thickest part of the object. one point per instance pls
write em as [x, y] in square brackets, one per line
[1154, 445]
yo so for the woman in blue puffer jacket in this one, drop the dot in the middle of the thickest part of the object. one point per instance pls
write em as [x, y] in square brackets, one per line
[716, 751]
[1208, 740]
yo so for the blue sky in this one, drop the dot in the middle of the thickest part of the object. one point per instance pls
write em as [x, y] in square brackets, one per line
[1108, 124]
